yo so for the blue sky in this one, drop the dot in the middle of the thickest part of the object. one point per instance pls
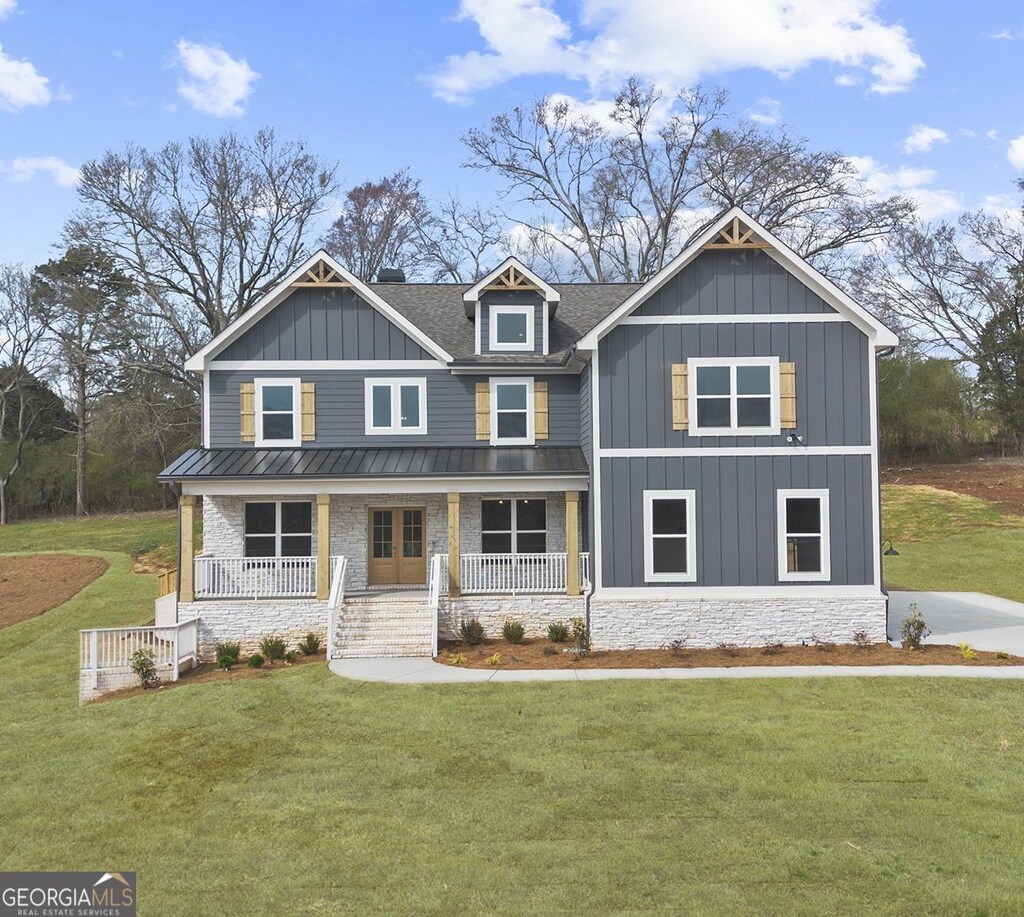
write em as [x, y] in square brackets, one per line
[380, 85]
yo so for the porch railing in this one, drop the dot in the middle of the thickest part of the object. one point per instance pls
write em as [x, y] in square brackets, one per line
[335, 600]
[513, 573]
[108, 649]
[256, 577]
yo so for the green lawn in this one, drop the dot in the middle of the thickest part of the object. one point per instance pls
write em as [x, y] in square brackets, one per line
[305, 793]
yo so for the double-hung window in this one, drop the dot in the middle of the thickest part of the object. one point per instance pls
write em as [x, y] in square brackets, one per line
[511, 327]
[396, 406]
[803, 542]
[732, 396]
[670, 540]
[277, 412]
[279, 529]
[513, 526]
[512, 418]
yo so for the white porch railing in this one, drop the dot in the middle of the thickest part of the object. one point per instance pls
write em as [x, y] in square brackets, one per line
[512, 573]
[256, 577]
[111, 648]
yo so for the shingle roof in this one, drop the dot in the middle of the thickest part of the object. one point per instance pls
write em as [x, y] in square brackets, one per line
[437, 310]
[354, 463]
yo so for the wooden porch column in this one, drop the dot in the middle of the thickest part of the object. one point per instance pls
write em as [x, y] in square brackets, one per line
[186, 565]
[454, 581]
[323, 546]
[572, 542]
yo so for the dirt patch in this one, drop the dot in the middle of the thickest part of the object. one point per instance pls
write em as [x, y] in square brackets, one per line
[530, 654]
[30, 585]
[999, 480]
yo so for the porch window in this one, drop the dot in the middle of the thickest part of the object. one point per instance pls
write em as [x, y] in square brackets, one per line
[279, 529]
[511, 327]
[277, 408]
[803, 524]
[739, 395]
[512, 417]
[513, 526]
[670, 539]
[396, 406]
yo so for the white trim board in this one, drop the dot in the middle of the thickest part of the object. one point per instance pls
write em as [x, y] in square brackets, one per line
[389, 484]
[824, 534]
[261, 442]
[529, 313]
[690, 499]
[736, 319]
[474, 293]
[696, 593]
[312, 365]
[394, 386]
[738, 451]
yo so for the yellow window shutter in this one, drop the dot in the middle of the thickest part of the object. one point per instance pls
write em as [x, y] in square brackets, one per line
[787, 396]
[247, 411]
[540, 410]
[680, 393]
[308, 411]
[483, 410]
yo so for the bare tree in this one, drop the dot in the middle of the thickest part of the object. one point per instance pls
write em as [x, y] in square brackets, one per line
[204, 228]
[379, 226]
[459, 242]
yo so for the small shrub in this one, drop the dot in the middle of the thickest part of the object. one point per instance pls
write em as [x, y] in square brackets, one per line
[1000, 654]
[550, 650]
[310, 645]
[558, 632]
[967, 651]
[256, 661]
[472, 631]
[273, 648]
[513, 631]
[728, 648]
[580, 635]
[826, 645]
[291, 657]
[144, 666]
[772, 647]
[494, 660]
[227, 654]
[457, 658]
[676, 647]
[861, 639]
[914, 629]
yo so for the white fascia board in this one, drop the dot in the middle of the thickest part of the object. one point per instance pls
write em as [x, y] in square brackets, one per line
[655, 592]
[474, 292]
[198, 361]
[388, 484]
[880, 335]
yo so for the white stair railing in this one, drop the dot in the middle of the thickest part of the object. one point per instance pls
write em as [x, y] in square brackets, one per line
[334, 600]
[107, 649]
[434, 595]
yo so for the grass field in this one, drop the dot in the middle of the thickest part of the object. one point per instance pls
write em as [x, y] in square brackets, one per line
[305, 793]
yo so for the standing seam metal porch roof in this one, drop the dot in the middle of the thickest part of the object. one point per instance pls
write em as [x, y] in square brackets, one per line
[354, 463]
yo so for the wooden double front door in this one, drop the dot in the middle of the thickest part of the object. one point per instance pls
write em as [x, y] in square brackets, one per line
[397, 548]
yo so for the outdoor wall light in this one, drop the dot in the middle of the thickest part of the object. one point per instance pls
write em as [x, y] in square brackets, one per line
[891, 551]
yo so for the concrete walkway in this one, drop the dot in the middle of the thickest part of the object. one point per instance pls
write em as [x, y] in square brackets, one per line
[422, 671]
[984, 621]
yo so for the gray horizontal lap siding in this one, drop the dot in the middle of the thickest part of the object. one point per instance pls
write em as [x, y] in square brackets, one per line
[511, 299]
[730, 283]
[736, 515]
[340, 408]
[832, 383]
[324, 324]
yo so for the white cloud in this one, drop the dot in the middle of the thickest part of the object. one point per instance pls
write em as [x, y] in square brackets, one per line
[7, 7]
[1015, 152]
[992, 135]
[768, 111]
[217, 84]
[21, 85]
[922, 138]
[674, 43]
[1006, 35]
[847, 79]
[25, 168]
[911, 182]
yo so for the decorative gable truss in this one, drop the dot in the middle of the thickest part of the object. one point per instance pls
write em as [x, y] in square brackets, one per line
[512, 280]
[321, 274]
[736, 234]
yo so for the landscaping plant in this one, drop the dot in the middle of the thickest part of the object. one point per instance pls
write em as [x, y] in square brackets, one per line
[861, 639]
[227, 654]
[256, 661]
[472, 632]
[291, 657]
[144, 666]
[580, 635]
[310, 644]
[273, 648]
[558, 632]
[914, 629]
[494, 660]
[513, 631]
[967, 651]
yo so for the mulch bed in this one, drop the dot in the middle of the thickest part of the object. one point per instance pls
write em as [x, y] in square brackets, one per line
[1000, 480]
[530, 655]
[30, 585]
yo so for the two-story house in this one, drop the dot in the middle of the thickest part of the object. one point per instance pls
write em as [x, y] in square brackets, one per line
[693, 458]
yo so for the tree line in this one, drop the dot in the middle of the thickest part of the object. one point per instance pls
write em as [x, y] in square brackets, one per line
[168, 246]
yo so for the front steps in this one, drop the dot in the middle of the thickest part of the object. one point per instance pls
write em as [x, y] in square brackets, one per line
[383, 625]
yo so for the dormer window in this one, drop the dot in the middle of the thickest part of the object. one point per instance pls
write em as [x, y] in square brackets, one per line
[511, 327]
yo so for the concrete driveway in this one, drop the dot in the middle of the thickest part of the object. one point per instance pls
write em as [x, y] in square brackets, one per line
[984, 621]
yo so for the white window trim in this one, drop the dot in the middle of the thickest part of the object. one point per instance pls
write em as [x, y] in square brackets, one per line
[531, 318]
[395, 384]
[690, 496]
[530, 437]
[277, 528]
[694, 363]
[296, 386]
[825, 573]
[515, 531]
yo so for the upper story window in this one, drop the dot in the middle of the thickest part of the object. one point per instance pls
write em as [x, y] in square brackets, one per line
[734, 396]
[277, 412]
[396, 406]
[511, 327]
[279, 529]
[803, 524]
[512, 412]
[670, 542]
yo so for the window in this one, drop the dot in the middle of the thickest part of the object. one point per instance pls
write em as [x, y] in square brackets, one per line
[512, 412]
[513, 526]
[277, 412]
[395, 406]
[511, 327]
[279, 529]
[803, 535]
[670, 549]
[734, 396]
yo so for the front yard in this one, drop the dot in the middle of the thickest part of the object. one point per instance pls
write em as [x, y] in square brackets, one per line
[305, 793]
